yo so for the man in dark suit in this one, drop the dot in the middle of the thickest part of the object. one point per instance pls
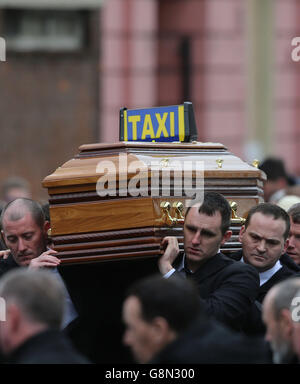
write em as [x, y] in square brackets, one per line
[227, 288]
[30, 333]
[264, 239]
[24, 231]
[166, 324]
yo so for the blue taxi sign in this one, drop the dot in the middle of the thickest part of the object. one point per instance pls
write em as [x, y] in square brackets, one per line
[159, 124]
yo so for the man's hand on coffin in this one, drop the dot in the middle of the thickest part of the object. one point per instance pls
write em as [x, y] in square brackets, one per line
[4, 254]
[46, 259]
[170, 244]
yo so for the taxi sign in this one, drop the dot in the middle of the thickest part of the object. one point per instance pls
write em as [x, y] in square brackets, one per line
[159, 124]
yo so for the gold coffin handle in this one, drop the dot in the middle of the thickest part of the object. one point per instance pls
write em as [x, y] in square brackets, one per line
[235, 218]
[167, 218]
[179, 211]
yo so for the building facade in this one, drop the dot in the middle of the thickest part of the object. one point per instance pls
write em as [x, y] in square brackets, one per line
[71, 65]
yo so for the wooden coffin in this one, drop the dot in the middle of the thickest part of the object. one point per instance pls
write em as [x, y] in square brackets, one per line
[87, 227]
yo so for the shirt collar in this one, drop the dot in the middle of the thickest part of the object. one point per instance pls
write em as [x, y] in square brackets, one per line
[266, 275]
[182, 266]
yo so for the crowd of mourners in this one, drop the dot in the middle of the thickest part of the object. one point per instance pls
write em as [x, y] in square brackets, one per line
[203, 306]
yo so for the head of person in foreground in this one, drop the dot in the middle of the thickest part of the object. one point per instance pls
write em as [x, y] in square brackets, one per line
[155, 312]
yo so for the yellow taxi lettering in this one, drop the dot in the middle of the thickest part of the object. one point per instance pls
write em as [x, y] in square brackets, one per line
[162, 125]
[148, 128]
[134, 120]
[172, 124]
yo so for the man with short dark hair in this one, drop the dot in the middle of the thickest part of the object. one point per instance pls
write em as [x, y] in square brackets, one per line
[293, 249]
[277, 179]
[155, 312]
[264, 239]
[34, 306]
[227, 288]
[166, 324]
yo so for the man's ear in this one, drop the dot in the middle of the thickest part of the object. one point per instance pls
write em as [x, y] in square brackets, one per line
[242, 231]
[227, 235]
[162, 332]
[285, 247]
[47, 226]
[13, 317]
[3, 237]
[286, 323]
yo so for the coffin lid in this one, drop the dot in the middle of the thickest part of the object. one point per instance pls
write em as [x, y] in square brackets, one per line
[82, 169]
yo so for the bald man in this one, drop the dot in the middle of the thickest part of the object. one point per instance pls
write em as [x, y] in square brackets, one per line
[24, 231]
[281, 329]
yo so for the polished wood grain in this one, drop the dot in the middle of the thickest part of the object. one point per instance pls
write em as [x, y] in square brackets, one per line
[101, 216]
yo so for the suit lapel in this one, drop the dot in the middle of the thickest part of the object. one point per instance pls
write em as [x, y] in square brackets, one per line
[281, 274]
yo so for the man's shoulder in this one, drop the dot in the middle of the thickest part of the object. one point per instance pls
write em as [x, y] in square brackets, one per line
[288, 262]
[222, 266]
[235, 267]
[234, 262]
[207, 342]
[47, 347]
[7, 264]
[283, 273]
[237, 255]
[236, 258]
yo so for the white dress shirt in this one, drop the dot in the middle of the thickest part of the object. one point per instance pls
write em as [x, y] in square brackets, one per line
[266, 275]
